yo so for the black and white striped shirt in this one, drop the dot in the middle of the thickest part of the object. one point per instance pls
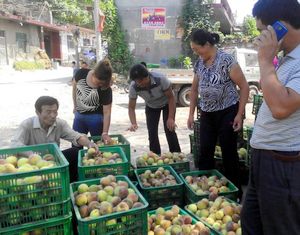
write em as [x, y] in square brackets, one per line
[216, 89]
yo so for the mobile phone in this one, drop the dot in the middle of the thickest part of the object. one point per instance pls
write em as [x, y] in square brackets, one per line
[280, 30]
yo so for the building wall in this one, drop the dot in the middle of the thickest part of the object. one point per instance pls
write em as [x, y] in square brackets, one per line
[11, 28]
[143, 43]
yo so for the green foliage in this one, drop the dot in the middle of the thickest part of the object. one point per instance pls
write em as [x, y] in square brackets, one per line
[118, 50]
[28, 65]
[196, 14]
[180, 62]
[187, 62]
[70, 11]
[173, 62]
[249, 27]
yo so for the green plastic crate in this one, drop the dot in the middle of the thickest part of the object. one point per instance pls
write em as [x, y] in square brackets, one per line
[25, 201]
[191, 196]
[164, 195]
[257, 101]
[249, 131]
[131, 174]
[182, 212]
[192, 141]
[179, 167]
[132, 222]
[204, 222]
[57, 226]
[123, 142]
[97, 171]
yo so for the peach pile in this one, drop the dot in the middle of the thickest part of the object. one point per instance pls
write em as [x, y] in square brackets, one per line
[202, 185]
[168, 222]
[106, 198]
[92, 158]
[152, 159]
[221, 214]
[14, 164]
[158, 178]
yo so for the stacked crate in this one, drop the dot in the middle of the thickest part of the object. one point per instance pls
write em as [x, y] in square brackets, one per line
[257, 101]
[38, 198]
[98, 171]
[161, 195]
[130, 221]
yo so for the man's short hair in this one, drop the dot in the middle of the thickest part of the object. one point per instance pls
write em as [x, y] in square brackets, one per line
[269, 11]
[138, 71]
[45, 100]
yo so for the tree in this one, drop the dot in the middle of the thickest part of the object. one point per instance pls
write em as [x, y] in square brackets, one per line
[76, 12]
[118, 50]
[70, 11]
[249, 27]
[195, 14]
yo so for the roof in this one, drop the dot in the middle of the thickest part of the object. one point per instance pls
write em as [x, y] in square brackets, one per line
[53, 27]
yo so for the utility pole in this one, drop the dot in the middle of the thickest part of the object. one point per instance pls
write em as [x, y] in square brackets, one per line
[98, 34]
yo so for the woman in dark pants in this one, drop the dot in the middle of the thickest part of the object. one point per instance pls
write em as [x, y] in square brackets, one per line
[156, 90]
[222, 108]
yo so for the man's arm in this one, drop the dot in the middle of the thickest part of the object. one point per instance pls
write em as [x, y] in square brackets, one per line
[131, 114]
[172, 107]
[84, 141]
[21, 137]
[281, 100]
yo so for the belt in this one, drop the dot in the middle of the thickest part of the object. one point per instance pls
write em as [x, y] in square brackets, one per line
[284, 158]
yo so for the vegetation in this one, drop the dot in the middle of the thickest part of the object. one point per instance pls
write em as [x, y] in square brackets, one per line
[80, 13]
[195, 14]
[118, 50]
[249, 27]
[28, 65]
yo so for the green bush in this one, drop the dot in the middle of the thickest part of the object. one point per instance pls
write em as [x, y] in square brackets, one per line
[28, 65]
[173, 62]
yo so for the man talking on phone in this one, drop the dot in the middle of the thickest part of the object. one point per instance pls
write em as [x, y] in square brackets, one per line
[272, 202]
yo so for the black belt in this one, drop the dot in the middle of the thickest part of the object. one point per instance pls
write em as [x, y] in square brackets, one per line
[285, 158]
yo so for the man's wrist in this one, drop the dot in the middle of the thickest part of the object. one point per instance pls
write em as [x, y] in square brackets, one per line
[104, 133]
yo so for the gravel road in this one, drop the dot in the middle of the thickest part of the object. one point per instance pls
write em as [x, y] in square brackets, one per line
[19, 91]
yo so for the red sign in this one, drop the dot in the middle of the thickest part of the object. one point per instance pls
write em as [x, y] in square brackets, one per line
[153, 17]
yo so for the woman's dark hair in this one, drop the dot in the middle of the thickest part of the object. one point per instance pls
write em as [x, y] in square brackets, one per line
[138, 71]
[269, 11]
[103, 71]
[44, 100]
[144, 63]
[201, 36]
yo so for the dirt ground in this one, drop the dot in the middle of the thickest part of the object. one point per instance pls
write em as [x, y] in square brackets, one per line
[19, 91]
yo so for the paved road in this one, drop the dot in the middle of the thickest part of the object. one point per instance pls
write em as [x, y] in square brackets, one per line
[19, 91]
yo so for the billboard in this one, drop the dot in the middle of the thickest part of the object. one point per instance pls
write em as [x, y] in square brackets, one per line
[162, 34]
[153, 17]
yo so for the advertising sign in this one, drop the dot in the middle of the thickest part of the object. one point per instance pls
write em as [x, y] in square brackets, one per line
[162, 34]
[153, 17]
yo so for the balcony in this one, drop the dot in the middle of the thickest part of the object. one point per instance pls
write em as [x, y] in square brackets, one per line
[222, 12]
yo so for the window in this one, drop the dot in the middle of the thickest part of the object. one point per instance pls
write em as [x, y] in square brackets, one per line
[86, 42]
[251, 60]
[2, 33]
[21, 40]
[70, 42]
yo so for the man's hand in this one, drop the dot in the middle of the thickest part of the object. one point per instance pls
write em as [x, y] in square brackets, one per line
[94, 145]
[133, 127]
[267, 45]
[171, 124]
[190, 122]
